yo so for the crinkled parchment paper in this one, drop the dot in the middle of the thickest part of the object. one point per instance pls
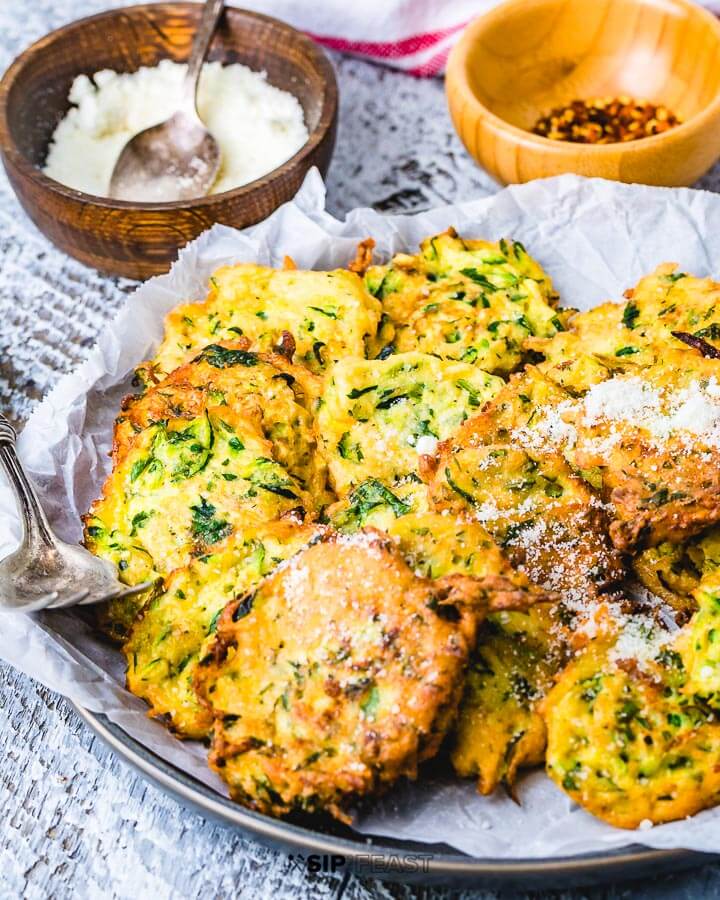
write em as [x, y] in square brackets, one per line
[595, 238]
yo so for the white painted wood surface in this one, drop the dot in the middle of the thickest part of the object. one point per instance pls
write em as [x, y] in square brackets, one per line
[75, 821]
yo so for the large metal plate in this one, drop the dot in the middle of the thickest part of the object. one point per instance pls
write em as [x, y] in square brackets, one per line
[340, 849]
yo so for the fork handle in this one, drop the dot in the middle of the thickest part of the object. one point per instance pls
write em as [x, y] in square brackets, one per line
[36, 529]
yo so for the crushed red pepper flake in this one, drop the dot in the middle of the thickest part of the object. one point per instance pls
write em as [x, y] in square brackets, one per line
[605, 120]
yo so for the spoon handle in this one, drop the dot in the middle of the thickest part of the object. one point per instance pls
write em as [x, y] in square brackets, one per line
[36, 530]
[203, 36]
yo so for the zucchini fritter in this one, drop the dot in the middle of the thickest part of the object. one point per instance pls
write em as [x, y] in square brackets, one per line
[616, 337]
[177, 626]
[377, 417]
[627, 744]
[648, 442]
[699, 641]
[699, 645]
[226, 441]
[653, 442]
[543, 515]
[338, 675]
[499, 728]
[467, 300]
[329, 314]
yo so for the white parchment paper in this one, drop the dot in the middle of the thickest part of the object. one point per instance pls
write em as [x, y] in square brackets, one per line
[595, 238]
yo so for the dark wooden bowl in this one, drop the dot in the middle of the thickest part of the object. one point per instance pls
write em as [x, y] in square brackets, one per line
[132, 239]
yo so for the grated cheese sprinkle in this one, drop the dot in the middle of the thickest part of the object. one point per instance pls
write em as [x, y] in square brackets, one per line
[687, 414]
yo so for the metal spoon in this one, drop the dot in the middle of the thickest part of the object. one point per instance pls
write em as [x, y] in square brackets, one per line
[179, 158]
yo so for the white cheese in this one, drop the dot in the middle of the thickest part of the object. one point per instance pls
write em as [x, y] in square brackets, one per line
[695, 409]
[621, 399]
[692, 411]
[257, 126]
[640, 639]
[426, 445]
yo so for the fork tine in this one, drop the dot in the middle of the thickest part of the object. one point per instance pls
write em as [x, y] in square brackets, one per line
[129, 591]
[70, 600]
[53, 600]
[46, 601]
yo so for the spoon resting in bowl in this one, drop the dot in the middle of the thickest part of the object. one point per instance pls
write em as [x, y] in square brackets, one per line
[178, 159]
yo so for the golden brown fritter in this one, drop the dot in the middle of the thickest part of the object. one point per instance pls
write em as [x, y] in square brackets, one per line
[632, 723]
[499, 728]
[338, 675]
[226, 440]
[617, 337]
[178, 624]
[626, 743]
[468, 300]
[546, 518]
[377, 417]
[699, 642]
[648, 442]
[633, 730]
[227, 374]
[652, 441]
[330, 315]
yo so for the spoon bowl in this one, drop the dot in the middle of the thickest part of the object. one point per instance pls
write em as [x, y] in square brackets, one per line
[176, 160]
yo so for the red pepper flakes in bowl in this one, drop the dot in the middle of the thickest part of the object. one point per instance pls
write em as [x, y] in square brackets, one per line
[605, 120]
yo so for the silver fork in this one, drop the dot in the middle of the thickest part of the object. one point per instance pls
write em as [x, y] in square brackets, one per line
[45, 572]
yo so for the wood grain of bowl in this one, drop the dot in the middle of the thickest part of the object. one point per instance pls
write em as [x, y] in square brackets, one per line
[526, 57]
[131, 239]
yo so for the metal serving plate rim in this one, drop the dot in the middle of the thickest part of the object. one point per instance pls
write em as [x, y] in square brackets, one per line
[453, 865]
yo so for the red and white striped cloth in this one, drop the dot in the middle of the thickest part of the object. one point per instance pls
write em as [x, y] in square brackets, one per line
[413, 35]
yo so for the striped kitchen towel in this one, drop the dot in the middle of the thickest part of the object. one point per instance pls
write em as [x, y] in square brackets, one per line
[413, 35]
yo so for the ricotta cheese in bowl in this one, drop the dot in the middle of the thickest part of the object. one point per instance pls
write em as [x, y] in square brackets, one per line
[257, 126]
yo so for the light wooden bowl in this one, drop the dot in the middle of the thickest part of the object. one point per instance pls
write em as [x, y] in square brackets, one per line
[526, 57]
[134, 239]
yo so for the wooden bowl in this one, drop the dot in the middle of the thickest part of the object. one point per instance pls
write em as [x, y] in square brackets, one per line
[526, 57]
[132, 239]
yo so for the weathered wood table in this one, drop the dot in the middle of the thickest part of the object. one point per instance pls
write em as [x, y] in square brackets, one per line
[75, 821]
